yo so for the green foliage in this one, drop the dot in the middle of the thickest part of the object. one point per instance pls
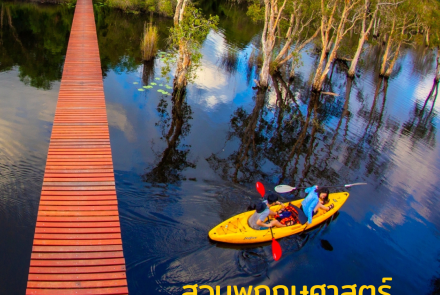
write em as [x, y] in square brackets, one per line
[186, 39]
[165, 7]
[256, 12]
[149, 43]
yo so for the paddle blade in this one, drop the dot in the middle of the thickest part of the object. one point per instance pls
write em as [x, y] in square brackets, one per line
[260, 188]
[283, 188]
[276, 250]
[353, 184]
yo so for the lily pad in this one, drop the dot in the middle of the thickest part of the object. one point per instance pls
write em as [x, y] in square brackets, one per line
[156, 78]
[135, 82]
[161, 85]
[140, 89]
[148, 87]
[152, 83]
[168, 87]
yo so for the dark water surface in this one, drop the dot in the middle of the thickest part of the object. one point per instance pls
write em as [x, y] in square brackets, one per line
[182, 168]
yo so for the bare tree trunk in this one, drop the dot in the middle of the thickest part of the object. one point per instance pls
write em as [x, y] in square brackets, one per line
[177, 12]
[437, 76]
[364, 33]
[354, 62]
[385, 56]
[180, 80]
[292, 70]
[427, 37]
[327, 24]
[393, 61]
[271, 20]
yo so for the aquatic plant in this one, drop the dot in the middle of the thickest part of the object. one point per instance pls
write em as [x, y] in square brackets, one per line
[149, 42]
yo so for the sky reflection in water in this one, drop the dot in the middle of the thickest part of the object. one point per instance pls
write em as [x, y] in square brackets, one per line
[181, 168]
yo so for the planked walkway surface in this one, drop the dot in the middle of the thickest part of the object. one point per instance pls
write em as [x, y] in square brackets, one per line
[77, 245]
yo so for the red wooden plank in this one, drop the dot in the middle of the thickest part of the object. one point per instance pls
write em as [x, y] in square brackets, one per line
[77, 218]
[86, 291]
[78, 208]
[77, 242]
[78, 284]
[77, 269]
[77, 277]
[77, 245]
[77, 213]
[76, 262]
[86, 255]
[77, 230]
[78, 225]
[75, 249]
[76, 237]
[78, 203]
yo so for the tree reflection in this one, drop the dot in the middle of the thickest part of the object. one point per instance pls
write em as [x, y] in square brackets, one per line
[34, 39]
[148, 71]
[303, 136]
[244, 164]
[421, 125]
[173, 160]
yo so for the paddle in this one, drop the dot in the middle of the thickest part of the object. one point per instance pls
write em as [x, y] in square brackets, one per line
[276, 248]
[283, 188]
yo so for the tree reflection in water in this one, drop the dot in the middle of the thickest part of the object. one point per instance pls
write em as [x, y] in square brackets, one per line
[245, 163]
[34, 39]
[420, 126]
[300, 136]
[173, 160]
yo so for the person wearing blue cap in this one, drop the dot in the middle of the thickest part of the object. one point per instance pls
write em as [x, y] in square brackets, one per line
[256, 221]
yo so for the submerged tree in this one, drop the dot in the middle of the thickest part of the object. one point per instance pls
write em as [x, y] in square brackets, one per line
[336, 20]
[288, 22]
[399, 21]
[186, 37]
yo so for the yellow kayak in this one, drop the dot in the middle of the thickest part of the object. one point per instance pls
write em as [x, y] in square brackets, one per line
[236, 229]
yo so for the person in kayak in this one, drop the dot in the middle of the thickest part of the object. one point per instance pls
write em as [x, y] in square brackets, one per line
[315, 200]
[256, 221]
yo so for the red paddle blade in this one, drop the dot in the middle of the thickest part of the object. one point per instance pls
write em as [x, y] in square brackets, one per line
[276, 250]
[260, 188]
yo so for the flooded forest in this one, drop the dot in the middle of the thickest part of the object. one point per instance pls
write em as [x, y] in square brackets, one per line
[204, 99]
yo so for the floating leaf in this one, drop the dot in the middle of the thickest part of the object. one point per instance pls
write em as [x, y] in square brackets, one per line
[168, 87]
[152, 83]
[160, 90]
[148, 87]
[156, 78]
[161, 85]
[135, 83]
[140, 89]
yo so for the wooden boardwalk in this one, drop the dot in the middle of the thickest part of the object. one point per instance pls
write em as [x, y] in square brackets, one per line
[77, 245]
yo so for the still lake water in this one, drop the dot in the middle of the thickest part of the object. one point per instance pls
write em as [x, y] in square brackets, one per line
[183, 168]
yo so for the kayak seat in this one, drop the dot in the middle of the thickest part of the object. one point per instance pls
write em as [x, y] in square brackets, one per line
[301, 215]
